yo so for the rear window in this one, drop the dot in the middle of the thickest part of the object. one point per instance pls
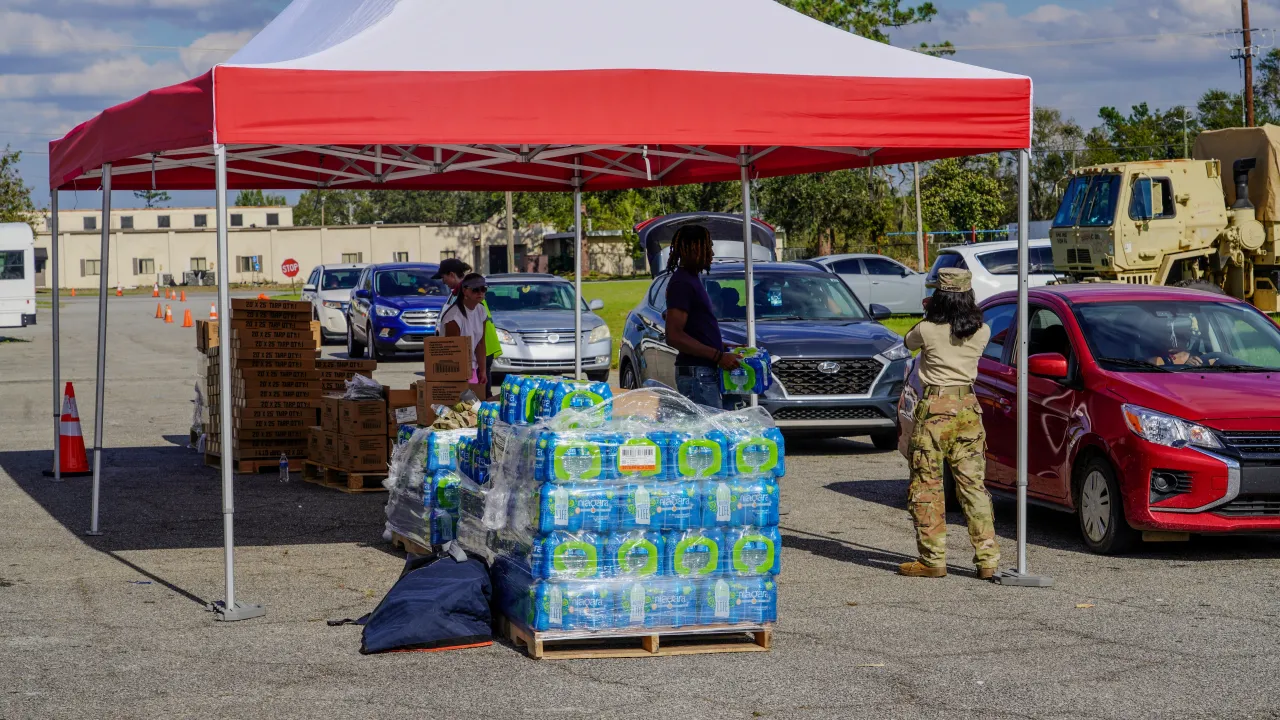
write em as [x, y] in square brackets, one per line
[12, 266]
[947, 260]
[1005, 262]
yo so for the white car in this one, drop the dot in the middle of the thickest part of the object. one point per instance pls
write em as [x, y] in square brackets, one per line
[994, 266]
[880, 280]
[328, 289]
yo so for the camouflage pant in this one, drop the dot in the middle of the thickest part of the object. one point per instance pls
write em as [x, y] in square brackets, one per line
[949, 429]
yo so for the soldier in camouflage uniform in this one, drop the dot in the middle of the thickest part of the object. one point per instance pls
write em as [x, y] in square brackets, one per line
[948, 429]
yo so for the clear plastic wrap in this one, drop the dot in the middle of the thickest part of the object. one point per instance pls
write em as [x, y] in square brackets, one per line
[422, 486]
[640, 511]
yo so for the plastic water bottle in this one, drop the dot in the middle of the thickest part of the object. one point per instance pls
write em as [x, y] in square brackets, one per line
[284, 468]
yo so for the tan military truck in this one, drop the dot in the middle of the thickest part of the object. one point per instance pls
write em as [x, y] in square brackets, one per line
[1209, 222]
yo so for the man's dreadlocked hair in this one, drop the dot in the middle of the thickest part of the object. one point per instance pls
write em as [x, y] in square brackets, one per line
[691, 249]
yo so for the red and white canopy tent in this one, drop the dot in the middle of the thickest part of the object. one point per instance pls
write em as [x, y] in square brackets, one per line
[532, 95]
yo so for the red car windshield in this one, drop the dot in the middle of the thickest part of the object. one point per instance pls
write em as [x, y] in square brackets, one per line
[1163, 336]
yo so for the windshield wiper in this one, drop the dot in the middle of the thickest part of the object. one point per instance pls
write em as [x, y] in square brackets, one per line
[1137, 364]
[1226, 368]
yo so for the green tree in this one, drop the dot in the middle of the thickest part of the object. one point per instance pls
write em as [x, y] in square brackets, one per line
[870, 18]
[1220, 109]
[331, 207]
[15, 196]
[1143, 134]
[152, 197]
[962, 193]
[829, 212]
[257, 198]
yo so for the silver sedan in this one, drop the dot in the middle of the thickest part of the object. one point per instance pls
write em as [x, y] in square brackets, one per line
[534, 318]
[880, 280]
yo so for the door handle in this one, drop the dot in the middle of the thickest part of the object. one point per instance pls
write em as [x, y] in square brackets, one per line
[1005, 405]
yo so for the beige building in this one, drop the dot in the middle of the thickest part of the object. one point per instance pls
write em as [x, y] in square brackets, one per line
[142, 256]
[169, 218]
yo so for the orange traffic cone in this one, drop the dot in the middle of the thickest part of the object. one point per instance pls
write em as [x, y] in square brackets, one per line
[155, 290]
[168, 314]
[184, 296]
[213, 311]
[119, 291]
[262, 296]
[159, 311]
[73, 292]
[72, 459]
[186, 319]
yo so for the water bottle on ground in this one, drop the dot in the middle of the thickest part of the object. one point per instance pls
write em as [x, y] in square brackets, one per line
[284, 468]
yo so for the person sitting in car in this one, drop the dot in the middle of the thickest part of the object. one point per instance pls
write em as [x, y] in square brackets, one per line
[1172, 340]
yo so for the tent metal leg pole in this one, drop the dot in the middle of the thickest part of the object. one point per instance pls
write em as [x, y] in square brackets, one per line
[101, 386]
[1020, 576]
[744, 162]
[230, 609]
[919, 220]
[577, 275]
[57, 337]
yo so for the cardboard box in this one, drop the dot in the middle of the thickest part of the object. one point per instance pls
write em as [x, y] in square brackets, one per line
[364, 367]
[429, 393]
[307, 402]
[256, 374]
[316, 338]
[307, 413]
[299, 393]
[284, 307]
[281, 358]
[270, 423]
[359, 418]
[329, 413]
[322, 447]
[276, 384]
[398, 402]
[362, 454]
[447, 359]
[315, 441]
[206, 335]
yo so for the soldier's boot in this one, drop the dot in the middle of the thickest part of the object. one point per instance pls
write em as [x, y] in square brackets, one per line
[986, 573]
[915, 568]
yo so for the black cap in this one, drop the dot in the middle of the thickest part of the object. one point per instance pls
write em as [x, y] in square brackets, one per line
[451, 265]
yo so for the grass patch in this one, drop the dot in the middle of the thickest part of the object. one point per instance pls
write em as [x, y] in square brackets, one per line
[901, 324]
[287, 296]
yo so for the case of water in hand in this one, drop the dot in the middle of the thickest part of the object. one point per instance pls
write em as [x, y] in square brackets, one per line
[636, 511]
[753, 376]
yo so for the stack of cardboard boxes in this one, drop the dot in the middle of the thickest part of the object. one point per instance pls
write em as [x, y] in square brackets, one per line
[275, 385]
[352, 435]
[447, 372]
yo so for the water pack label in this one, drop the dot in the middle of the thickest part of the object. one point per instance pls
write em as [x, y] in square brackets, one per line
[640, 457]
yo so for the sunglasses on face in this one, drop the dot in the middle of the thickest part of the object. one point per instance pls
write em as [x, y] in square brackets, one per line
[479, 289]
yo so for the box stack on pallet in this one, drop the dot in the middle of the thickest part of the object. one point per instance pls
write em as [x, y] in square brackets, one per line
[642, 525]
[275, 384]
[350, 448]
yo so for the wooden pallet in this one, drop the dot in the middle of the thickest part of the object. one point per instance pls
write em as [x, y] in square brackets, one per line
[344, 480]
[723, 639]
[408, 545]
[253, 466]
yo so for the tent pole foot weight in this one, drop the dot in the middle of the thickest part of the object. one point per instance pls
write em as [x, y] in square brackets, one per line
[1017, 579]
[238, 611]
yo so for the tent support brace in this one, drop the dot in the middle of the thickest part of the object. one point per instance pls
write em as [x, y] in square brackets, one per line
[1019, 577]
[745, 162]
[227, 610]
[57, 348]
[99, 389]
[577, 271]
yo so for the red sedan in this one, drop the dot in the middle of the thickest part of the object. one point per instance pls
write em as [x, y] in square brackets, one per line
[1149, 409]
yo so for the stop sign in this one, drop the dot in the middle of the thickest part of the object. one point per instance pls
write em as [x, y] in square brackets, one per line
[289, 268]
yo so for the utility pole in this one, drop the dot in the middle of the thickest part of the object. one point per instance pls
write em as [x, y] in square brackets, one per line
[1186, 153]
[1248, 64]
[511, 238]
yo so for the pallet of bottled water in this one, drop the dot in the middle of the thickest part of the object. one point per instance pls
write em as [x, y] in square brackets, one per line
[636, 516]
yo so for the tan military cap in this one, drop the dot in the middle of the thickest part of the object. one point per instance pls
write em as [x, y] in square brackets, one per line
[955, 280]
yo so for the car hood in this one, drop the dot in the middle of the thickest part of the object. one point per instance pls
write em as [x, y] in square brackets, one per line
[1202, 397]
[800, 338]
[413, 302]
[336, 295]
[541, 320]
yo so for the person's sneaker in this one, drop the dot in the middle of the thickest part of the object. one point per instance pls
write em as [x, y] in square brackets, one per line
[986, 573]
[917, 569]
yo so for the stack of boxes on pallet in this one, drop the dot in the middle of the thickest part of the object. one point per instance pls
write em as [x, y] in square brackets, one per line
[446, 372]
[352, 434]
[275, 384]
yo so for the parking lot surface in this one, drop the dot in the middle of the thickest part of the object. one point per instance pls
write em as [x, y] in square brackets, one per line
[114, 627]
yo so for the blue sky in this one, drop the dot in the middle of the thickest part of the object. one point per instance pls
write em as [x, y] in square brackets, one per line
[61, 61]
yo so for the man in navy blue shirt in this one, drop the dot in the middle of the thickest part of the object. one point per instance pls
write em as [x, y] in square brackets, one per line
[692, 328]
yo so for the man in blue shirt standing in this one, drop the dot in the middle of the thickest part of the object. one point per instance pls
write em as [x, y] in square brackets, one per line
[692, 328]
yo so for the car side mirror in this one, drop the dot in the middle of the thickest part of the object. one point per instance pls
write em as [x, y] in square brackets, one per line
[361, 293]
[596, 304]
[1048, 365]
[905, 272]
[879, 312]
[308, 288]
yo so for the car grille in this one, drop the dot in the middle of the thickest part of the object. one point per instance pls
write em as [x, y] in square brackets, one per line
[541, 337]
[1246, 506]
[1079, 256]
[519, 363]
[804, 413]
[419, 318]
[803, 376]
[1254, 445]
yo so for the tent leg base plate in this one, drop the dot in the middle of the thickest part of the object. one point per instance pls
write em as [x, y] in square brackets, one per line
[93, 533]
[238, 611]
[1017, 579]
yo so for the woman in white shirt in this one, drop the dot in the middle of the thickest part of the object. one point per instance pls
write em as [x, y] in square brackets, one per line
[466, 318]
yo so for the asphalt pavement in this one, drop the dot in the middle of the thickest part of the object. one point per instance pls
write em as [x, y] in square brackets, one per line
[114, 626]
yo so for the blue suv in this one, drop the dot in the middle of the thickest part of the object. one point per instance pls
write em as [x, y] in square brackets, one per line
[393, 307]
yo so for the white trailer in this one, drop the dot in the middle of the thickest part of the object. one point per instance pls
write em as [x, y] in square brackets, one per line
[17, 275]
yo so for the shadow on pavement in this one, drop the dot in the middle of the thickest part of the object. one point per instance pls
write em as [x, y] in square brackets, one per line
[164, 497]
[803, 446]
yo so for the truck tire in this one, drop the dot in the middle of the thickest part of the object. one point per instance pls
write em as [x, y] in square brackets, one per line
[1204, 285]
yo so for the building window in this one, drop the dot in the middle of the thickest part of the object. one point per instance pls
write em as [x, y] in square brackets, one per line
[400, 257]
[273, 219]
[162, 221]
[126, 222]
[447, 254]
[249, 263]
[90, 223]
[237, 220]
[352, 257]
[90, 267]
[144, 266]
[202, 221]
[199, 264]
